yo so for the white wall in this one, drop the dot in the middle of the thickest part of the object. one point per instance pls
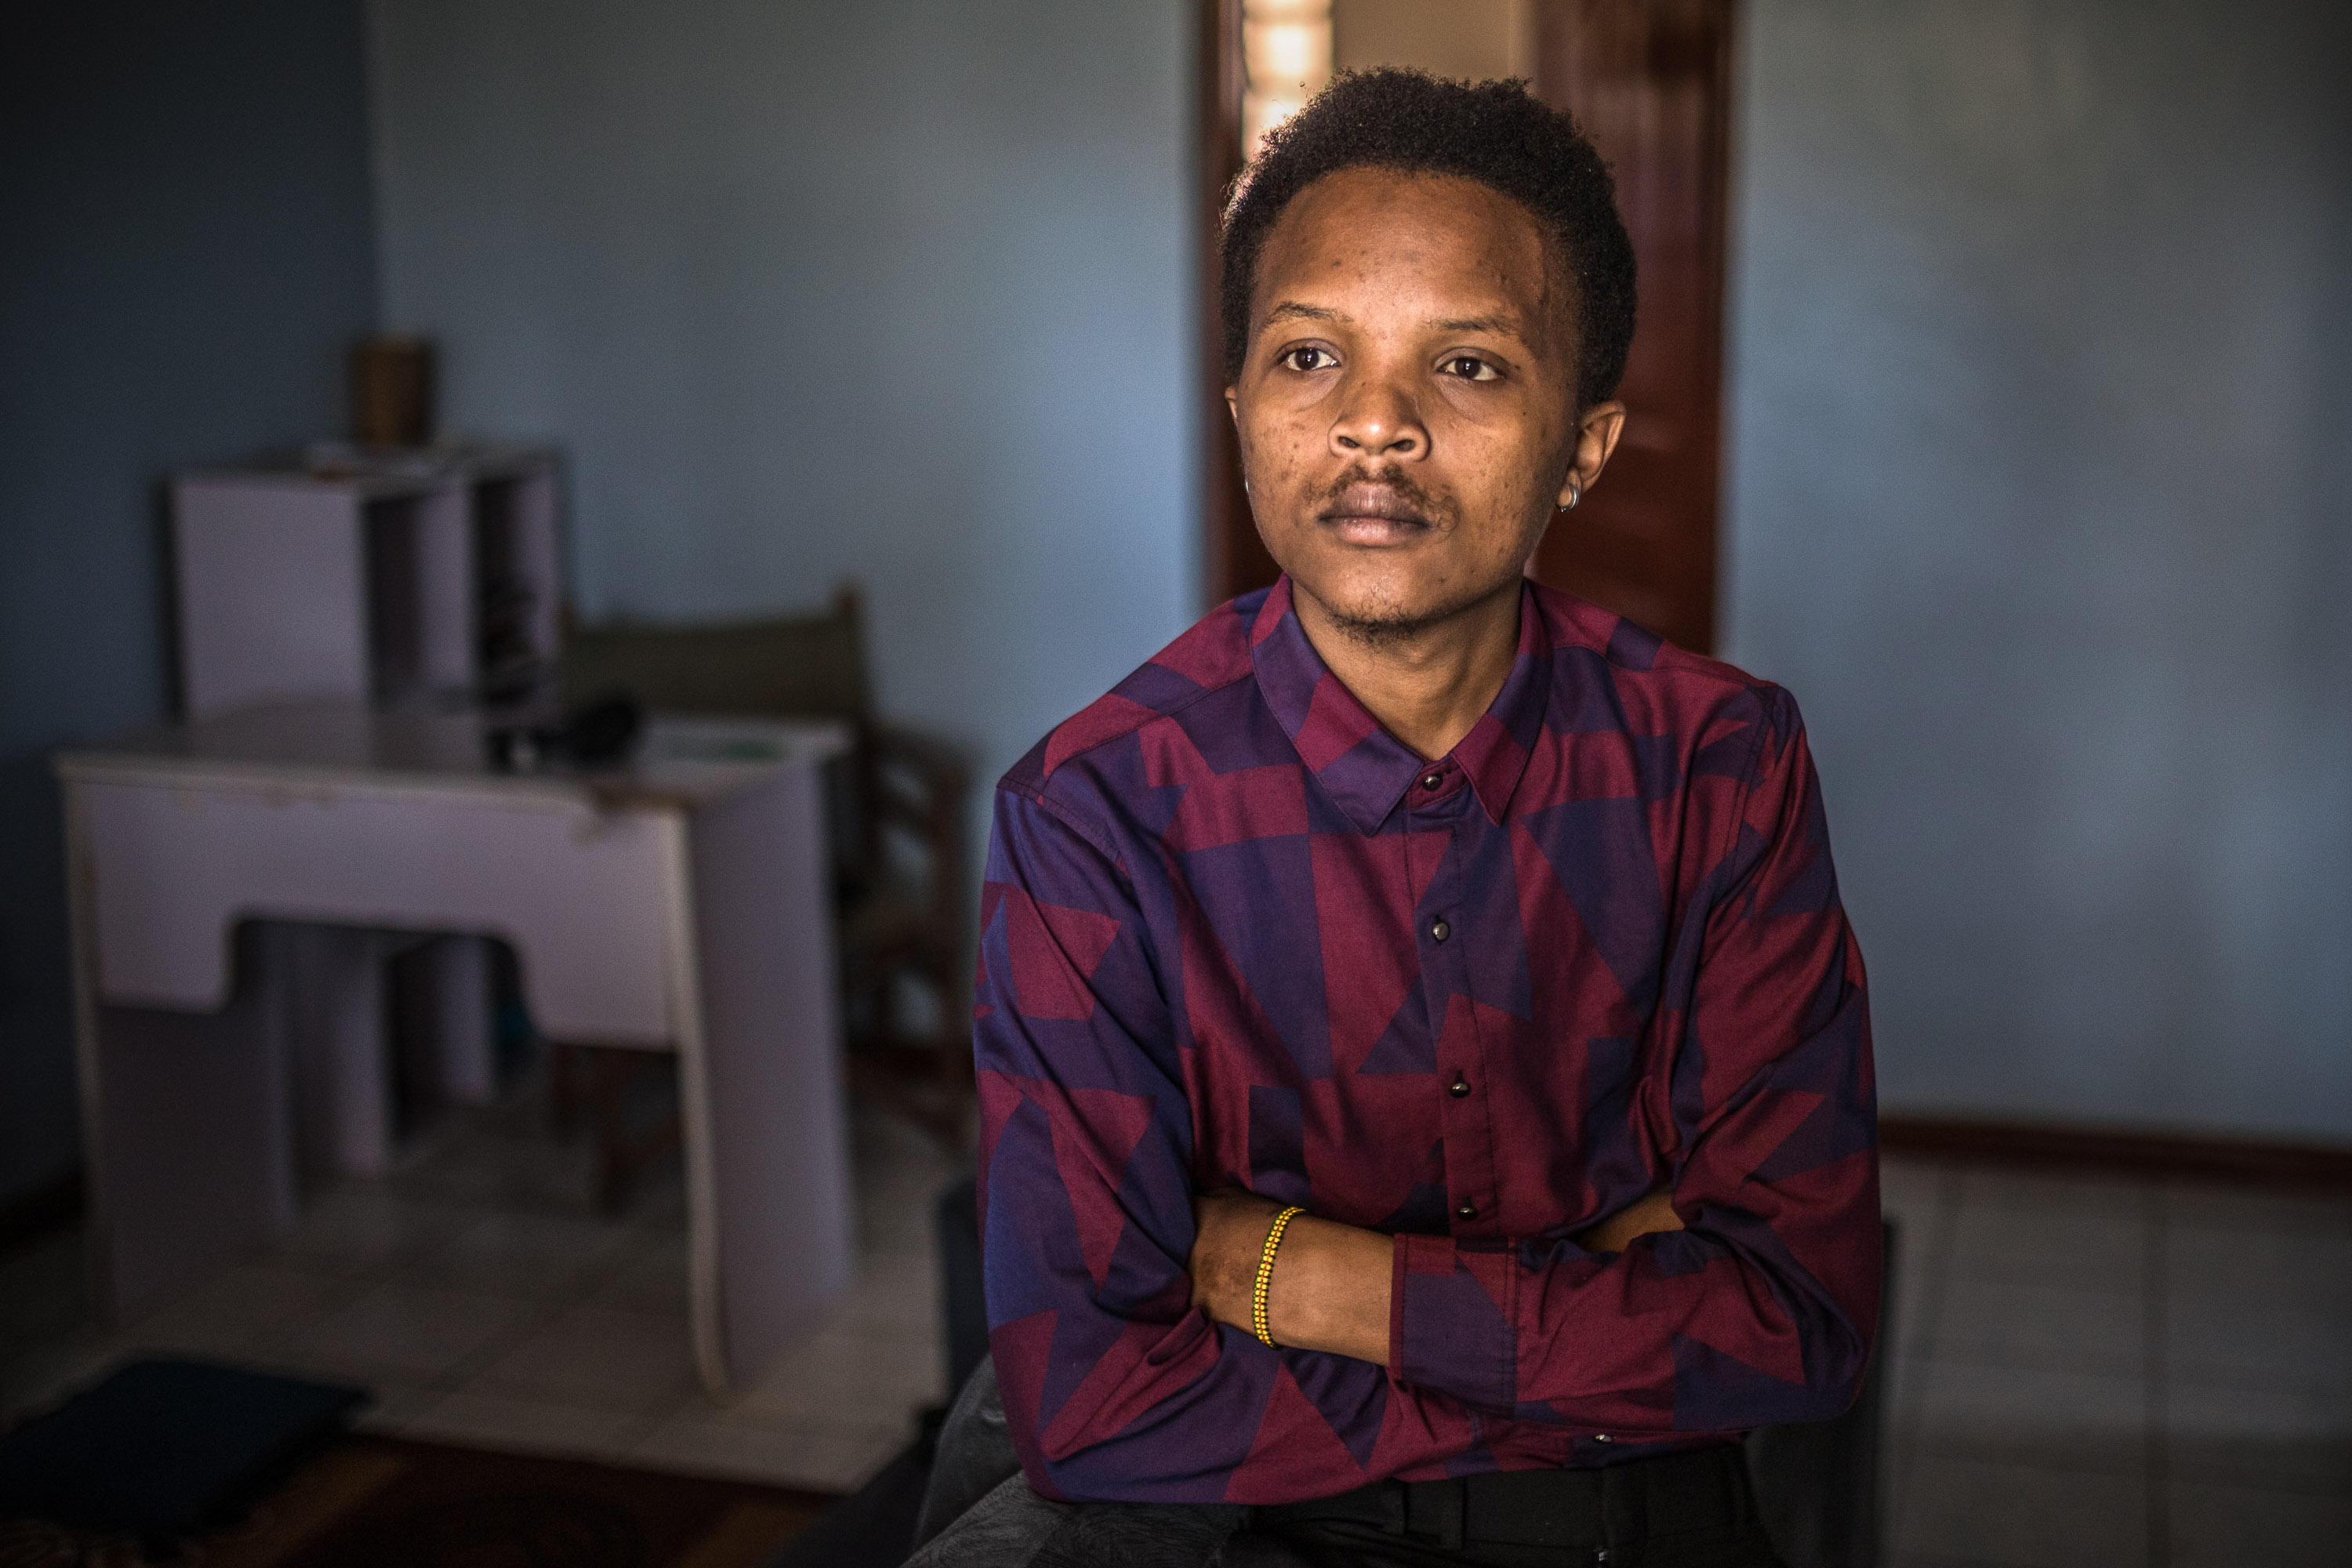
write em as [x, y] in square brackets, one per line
[902, 292]
[2041, 421]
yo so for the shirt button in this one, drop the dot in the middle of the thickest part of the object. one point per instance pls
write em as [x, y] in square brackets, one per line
[1431, 781]
[1460, 1087]
[1467, 1211]
[1439, 930]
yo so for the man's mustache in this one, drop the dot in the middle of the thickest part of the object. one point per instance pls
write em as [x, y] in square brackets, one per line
[1360, 493]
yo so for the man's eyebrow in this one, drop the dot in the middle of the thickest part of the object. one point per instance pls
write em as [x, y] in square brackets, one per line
[1500, 325]
[1291, 310]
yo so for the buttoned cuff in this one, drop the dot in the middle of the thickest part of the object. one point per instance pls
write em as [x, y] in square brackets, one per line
[1448, 1329]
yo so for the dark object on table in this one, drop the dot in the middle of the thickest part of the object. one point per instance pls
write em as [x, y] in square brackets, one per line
[1816, 1482]
[161, 1448]
[391, 390]
[899, 809]
[601, 733]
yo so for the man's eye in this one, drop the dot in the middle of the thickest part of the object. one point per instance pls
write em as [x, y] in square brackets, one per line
[1309, 358]
[1470, 367]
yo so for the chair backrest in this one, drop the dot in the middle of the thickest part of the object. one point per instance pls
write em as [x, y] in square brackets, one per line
[796, 666]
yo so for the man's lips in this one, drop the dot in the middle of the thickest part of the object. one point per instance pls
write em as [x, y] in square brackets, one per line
[1373, 514]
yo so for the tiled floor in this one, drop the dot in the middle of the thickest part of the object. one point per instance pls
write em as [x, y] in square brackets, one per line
[2088, 1370]
[2096, 1370]
[485, 1303]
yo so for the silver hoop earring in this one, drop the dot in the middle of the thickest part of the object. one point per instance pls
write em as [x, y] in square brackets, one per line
[1575, 494]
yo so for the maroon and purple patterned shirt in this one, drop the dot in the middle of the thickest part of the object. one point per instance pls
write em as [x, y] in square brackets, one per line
[1236, 934]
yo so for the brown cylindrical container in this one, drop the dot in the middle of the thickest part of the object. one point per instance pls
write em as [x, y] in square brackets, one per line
[391, 390]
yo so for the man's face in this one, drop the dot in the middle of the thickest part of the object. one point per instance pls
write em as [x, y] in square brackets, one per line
[1407, 412]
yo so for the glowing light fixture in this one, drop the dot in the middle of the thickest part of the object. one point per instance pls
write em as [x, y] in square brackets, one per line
[1286, 54]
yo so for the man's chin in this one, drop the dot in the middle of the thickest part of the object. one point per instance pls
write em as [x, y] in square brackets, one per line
[1383, 612]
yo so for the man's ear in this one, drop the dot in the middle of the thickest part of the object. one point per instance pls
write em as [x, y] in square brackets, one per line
[1598, 428]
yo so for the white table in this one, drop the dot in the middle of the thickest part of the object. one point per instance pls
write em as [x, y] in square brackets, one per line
[680, 903]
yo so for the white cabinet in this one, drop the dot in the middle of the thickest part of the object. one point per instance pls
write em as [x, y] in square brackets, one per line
[389, 582]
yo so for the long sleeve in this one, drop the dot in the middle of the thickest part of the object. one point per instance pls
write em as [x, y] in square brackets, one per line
[1115, 1386]
[1236, 934]
[1763, 1308]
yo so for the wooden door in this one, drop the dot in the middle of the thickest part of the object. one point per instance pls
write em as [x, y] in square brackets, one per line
[1650, 82]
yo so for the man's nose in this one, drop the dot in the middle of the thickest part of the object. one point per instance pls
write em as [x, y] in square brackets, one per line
[1379, 421]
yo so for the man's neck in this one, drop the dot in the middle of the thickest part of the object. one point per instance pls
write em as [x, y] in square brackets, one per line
[1428, 686]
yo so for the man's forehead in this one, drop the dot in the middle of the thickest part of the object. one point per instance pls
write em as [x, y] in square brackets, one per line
[1387, 198]
[1383, 226]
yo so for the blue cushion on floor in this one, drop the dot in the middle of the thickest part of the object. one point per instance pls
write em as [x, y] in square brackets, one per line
[162, 1448]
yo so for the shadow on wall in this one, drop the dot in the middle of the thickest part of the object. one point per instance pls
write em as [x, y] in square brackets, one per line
[184, 252]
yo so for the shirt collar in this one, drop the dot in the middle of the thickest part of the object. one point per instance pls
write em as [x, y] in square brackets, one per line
[1361, 767]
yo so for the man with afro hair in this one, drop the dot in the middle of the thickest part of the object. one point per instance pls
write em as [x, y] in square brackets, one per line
[1427, 1113]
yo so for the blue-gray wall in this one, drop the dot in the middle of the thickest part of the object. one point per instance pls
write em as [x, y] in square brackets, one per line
[2041, 421]
[184, 251]
[2041, 416]
[900, 291]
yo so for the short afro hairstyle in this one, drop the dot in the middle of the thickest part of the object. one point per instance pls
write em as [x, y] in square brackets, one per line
[1494, 132]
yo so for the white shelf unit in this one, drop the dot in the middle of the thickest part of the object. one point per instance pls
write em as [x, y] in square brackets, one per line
[375, 584]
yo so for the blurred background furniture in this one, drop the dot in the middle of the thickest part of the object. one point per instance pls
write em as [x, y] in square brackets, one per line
[680, 906]
[388, 578]
[416, 577]
[899, 805]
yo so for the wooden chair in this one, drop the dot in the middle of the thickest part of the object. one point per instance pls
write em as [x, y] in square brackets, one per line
[898, 807]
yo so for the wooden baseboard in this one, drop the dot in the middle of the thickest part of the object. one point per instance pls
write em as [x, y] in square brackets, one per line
[2136, 1153]
[40, 1209]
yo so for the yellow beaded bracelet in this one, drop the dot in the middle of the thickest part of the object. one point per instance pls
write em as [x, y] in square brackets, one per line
[1266, 1272]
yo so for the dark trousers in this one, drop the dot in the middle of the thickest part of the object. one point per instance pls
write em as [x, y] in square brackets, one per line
[1682, 1510]
[1694, 1510]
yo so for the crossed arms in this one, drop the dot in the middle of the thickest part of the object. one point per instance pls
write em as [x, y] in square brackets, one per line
[1726, 1280]
[1329, 1287]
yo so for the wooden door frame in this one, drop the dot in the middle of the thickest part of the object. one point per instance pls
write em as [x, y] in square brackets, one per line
[1234, 557]
[1609, 548]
